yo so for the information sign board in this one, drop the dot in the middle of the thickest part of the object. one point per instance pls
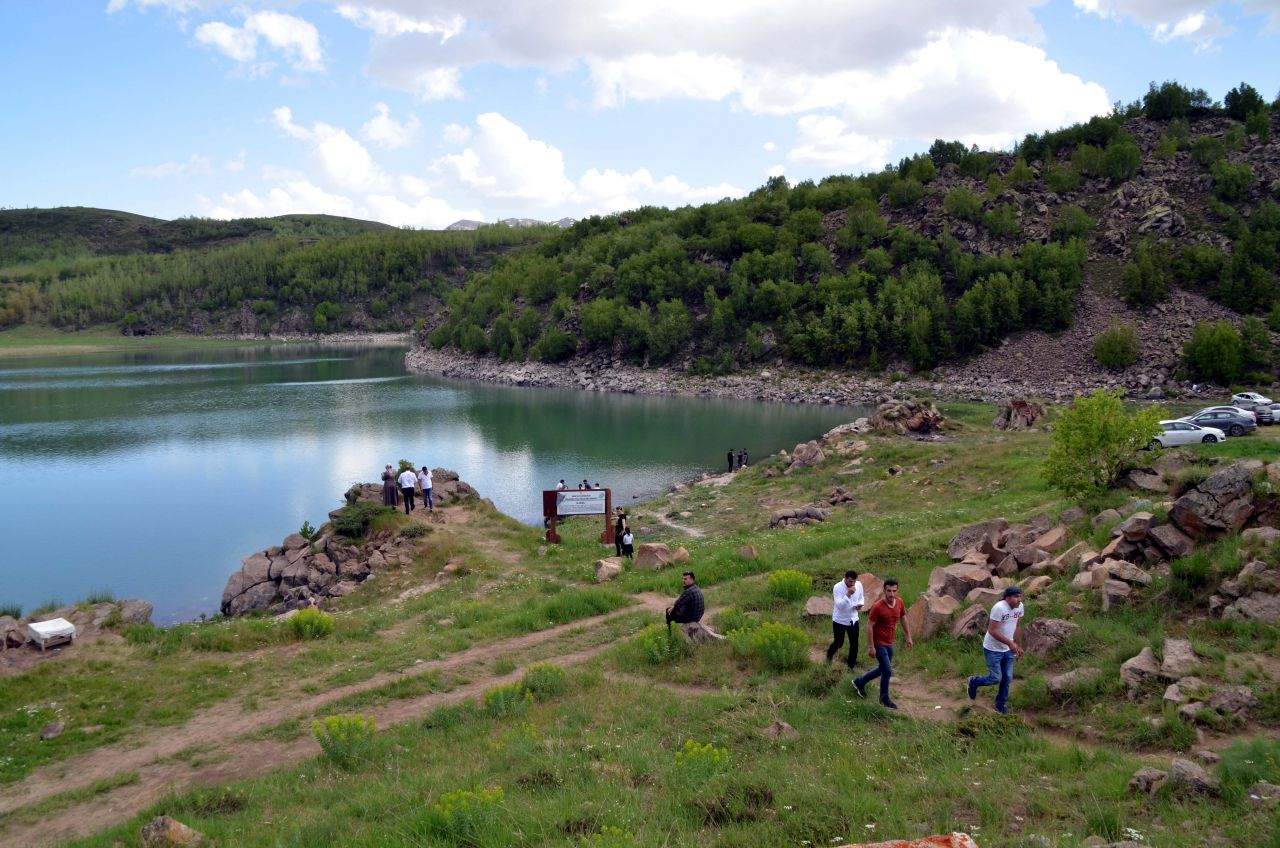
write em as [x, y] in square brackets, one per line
[581, 502]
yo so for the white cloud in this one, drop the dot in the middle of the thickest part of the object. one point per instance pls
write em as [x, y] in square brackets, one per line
[826, 141]
[429, 212]
[294, 196]
[297, 39]
[1172, 20]
[610, 190]
[438, 84]
[387, 132]
[776, 171]
[172, 5]
[236, 165]
[344, 161]
[649, 76]
[386, 22]
[195, 164]
[770, 146]
[503, 162]
[456, 133]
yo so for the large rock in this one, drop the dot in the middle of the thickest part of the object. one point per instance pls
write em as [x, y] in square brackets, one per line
[1179, 659]
[1236, 701]
[654, 556]
[164, 832]
[295, 574]
[818, 608]
[1107, 518]
[1258, 607]
[1186, 777]
[1135, 527]
[1062, 684]
[901, 417]
[1146, 481]
[969, 537]
[930, 614]
[697, 633]
[1129, 573]
[958, 580]
[806, 454]
[1145, 781]
[971, 622]
[1218, 506]
[136, 612]
[1263, 795]
[1115, 593]
[985, 596]
[1017, 414]
[1261, 536]
[257, 597]
[608, 568]
[1136, 671]
[237, 584]
[1171, 540]
[1052, 540]
[1046, 635]
[257, 567]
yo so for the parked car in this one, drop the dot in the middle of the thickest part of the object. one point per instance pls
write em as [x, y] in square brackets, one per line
[1249, 400]
[1185, 433]
[1247, 413]
[1233, 422]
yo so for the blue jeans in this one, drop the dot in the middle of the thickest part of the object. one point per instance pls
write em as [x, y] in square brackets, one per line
[426, 496]
[884, 671]
[1000, 664]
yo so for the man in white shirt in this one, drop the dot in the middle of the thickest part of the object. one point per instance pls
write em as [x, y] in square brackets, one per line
[424, 480]
[847, 597]
[407, 479]
[560, 486]
[1001, 645]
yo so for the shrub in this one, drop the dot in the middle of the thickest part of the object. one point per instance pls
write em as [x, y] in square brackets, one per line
[415, 531]
[506, 699]
[345, 739]
[905, 192]
[1257, 354]
[699, 762]
[1089, 160]
[353, 522]
[1231, 182]
[1117, 346]
[731, 620]
[467, 816]
[610, 837]
[311, 624]
[1094, 440]
[779, 646]
[1206, 150]
[1071, 222]
[790, 584]
[307, 532]
[1062, 179]
[556, 345]
[1242, 101]
[1259, 124]
[1214, 352]
[995, 186]
[1234, 138]
[976, 164]
[1173, 100]
[1166, 147]
[12, 610]
[1146, 276]
[1020, 174]
[1002, 220]
[545, 680]
[1122, 158]
[661, 644]
[960, 202]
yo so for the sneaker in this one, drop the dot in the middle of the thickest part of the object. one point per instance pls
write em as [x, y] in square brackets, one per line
[860, 688]
[973, 689]
[888, 704]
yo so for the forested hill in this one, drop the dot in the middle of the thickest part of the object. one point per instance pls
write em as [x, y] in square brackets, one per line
[936, 258]
[75, 267]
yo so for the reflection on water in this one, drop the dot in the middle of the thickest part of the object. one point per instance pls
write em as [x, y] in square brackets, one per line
[151, 474]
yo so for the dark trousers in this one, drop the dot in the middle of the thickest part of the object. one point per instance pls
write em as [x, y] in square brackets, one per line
[617, 543]
[839, 630]
[408, 499]
[884, 671]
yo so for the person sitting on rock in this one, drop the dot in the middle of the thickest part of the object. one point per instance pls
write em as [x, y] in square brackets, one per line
[690, 606]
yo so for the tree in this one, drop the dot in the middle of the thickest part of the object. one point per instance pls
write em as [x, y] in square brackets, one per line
[1117, 346]
[1172, 100]
[1146, 277]
[1256, 349]
[1242, 101]
[1122, 158]
[1231, 182]
[1094, 440]
[1259, 124]
[943, 152]
[1214, 352]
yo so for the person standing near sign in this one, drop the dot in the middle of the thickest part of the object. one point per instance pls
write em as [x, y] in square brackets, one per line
[619, 529]
[627, 547]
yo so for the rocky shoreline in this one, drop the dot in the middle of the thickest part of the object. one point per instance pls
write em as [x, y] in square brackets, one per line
[377, 339]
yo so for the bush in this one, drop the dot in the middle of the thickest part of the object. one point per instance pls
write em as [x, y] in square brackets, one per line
[1214, 352]
[556, 345]
[12, 610]
[960, 202]
[1062, 179]
[905, 192]
[1257, 354]
[1146, 277]
[1020, 174]
[345, 739]
[1242, 101]
[698, 763]
[1071, 222]
[545, 680]
[1173, 100]
[1002, 220]
[506, 699]
[1231, 182]
[415, 531]
[1117, 346]
[731, 620]
[1094, 440]
[468, 817]
[1259, 124]
[311, 624]
[1089, 160]
[1206, 150]
[779, 646]
[1122, 158]
[353, 522]
[790, 584]
[308, 532]
[659, 643]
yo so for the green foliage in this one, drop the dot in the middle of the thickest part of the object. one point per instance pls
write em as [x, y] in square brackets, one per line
[345, 740]
[1172, 100]
[1207, 149]
[609, 837]
[545, 680]
[11, 610]
[1214, 352]
[556, 345]
[660, 644]
[1002, 220]
[947, 152]
[1166, 147]
[307, 532]
[994, 186]
[1246, 762]
[1189, 575]
[1117, 346]
[415, 531]
[1257, 352]
[1258, 124]
[781, 647]
[1094, 440]
[1020, 174]
[977, 164]
[1122, 158]
[310, 624]
[1062, 179]
[353, 521]
[920, 168]
[961, 202]
[1231, 182]
[1242, 101]
[1071, 222]
[790, 584]
[1089, 160]
[863, 227]
[905, 192]
[1198, 265]
[733, 619]
[507, 699]
[1146, 276]
[468, 817]
[699, 762]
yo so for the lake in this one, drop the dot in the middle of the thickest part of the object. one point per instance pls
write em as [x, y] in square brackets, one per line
[151, 473]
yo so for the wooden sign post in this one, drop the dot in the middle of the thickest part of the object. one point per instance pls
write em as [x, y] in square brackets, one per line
[562, 503]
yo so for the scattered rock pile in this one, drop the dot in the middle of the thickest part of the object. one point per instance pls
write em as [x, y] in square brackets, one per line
[1254, 593]
[788, 517]
[1017, 414]
[906, 417]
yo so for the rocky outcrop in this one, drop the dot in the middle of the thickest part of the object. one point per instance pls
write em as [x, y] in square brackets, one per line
[654, 556]
[906, 417]
[608, 568]
[1017, 414]
[1218, 506]
[789, 517]
[1253, 594]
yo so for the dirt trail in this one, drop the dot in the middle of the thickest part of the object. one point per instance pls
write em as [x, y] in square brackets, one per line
[223, 725]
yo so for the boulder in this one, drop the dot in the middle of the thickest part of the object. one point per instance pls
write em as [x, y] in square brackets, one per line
[780, 516]
[295, 574]
[971, 622]
[781, 730]
[1171, 540]
[321, 562]
[1052, 540]
[1082, 580]
[958, 580]
[901, 417]
[747, 552]
[1145, 481]
[1138, 670]
[237, 584]
[1135, 527]
[341, 590]
[1190, 778]
[1236, 701]
[654, 556]
[1029, 555]
[985, 596]
[970, 536]
[1062, 684]
[1218, 506]
[1017, 414]
[608, 568]
[806, 454]
[872, 590]
[930, 613]
[1145, 781]
[52, 731]
[1069, 560]
[1071, 515]
[1115, 593]
[292, 555]
[1007, 567]
[136, 612]
[1263, 796]
[1036, 585]
[1106, 518]
[355, 570]
[680, 556]
[1181, 691]
[164, 832]
[257, 567]
[1257, 607]
[697, 633]
[1260, 536]
[278, 565]
[1179, 659]
[818, 608]
[1129, 573]
[295, 542]
[1046, 635]
[257, 597]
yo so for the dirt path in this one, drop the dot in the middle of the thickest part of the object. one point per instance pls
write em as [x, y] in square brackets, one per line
[693, 532]
[224, 726]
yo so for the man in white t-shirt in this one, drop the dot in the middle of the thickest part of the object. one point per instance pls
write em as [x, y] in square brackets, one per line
[407, 481]
[424, 480]
[847, 597]
[1001, 646]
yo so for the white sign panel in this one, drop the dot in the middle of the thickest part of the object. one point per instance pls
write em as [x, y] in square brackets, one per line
[585, 502]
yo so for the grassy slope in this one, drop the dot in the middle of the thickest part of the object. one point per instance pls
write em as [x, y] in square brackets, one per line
[571, 767]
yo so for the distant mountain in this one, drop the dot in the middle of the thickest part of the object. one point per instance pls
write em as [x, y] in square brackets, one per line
[468, 224]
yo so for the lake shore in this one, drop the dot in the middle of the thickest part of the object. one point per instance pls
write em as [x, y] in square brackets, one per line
[44, 341]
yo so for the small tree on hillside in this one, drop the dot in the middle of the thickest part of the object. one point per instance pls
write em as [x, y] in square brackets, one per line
[1242, 101]
[1214, 352]
[1094, 440]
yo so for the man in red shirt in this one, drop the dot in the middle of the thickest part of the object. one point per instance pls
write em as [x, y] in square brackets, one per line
[884, 617]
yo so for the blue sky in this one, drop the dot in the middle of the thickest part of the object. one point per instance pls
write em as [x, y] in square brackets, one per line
[421, 112]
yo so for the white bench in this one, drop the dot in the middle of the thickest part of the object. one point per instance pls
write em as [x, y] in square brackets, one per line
[55, 631]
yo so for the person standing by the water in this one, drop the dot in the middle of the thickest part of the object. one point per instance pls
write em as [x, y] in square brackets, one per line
[619, 528]
[407, 481]
[388, 487]
[560, 487]
[730, 457]
[424, 480]
[742, 458]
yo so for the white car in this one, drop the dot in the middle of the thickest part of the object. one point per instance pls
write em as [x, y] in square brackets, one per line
[1238, 410]
[1185, 433]
[1248, 400]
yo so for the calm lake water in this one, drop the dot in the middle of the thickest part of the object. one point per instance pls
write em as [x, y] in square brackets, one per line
[151, 474]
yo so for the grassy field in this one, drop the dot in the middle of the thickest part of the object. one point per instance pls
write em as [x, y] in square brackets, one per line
[597, 763]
